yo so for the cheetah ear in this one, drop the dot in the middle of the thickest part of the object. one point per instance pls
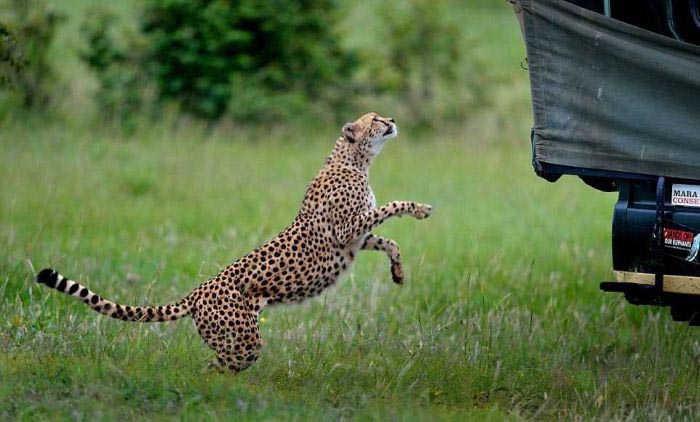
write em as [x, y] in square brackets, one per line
[349, 132]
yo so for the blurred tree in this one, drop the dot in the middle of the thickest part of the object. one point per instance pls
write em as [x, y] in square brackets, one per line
[200, 53]
[421, 56]
[27, 29]
[116, 60]
[11, 62]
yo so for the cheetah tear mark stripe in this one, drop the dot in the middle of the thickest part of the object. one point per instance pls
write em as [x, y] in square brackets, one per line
[106, 307]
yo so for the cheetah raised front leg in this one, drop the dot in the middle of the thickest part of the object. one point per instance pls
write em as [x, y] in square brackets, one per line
[362, 224]
[391, 248]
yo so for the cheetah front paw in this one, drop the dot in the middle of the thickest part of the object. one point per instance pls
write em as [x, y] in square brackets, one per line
[422, 211]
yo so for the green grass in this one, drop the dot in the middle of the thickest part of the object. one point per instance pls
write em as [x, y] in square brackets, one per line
[500, 317]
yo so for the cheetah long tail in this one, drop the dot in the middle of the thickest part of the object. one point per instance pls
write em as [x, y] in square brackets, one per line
[106, 307]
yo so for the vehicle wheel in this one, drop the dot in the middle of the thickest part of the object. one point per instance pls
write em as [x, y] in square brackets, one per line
[683, 313]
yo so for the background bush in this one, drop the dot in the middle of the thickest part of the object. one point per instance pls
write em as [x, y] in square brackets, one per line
[116, 58]
[420, 52]
[253, 58]
[27, 29]
[253, 61]
[11, 62]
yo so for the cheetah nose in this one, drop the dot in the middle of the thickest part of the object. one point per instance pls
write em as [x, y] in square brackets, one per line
[390, 130]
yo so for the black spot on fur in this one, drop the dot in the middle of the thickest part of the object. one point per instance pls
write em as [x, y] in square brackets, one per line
[84, 292]
[94, 299]
[74, 288]
[62, 285]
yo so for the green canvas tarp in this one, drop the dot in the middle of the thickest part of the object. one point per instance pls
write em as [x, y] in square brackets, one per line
[610, 96]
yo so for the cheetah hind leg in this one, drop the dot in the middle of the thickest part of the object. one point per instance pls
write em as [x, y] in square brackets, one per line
[232, 332]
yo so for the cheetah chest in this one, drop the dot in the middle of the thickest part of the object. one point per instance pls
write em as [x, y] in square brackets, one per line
[372, 199]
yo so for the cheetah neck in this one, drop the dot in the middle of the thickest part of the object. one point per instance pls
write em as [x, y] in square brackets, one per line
[345, 155]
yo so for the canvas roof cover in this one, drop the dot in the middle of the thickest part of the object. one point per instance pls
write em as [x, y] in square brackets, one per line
[610, 96]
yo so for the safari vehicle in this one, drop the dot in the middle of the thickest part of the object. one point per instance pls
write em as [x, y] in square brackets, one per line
[616, 101]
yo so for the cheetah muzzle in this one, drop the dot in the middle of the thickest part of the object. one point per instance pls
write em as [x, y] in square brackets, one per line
[335, 222]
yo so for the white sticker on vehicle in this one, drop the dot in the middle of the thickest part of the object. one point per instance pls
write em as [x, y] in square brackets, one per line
[685, 195]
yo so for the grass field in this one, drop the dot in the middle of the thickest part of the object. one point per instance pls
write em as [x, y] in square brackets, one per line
[500, 317]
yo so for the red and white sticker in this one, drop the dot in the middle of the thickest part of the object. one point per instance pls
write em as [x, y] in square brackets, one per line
[685, 195]
[678, 239]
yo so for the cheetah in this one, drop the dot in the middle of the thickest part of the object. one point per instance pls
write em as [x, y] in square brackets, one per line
[334, 223]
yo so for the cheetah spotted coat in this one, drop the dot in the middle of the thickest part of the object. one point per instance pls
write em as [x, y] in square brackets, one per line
[335, 222]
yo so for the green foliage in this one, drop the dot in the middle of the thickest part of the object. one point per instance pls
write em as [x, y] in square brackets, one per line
[258, 61]
[11, 62]
[424, 60]
[422, 48]
[195, 46]
[257, 57]
[123, 86]
[27, 30]
[252, 100]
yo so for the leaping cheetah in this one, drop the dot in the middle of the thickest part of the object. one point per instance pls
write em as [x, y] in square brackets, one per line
[335, 221]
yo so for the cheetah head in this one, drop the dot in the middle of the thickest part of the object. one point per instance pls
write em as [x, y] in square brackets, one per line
[368, 134]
